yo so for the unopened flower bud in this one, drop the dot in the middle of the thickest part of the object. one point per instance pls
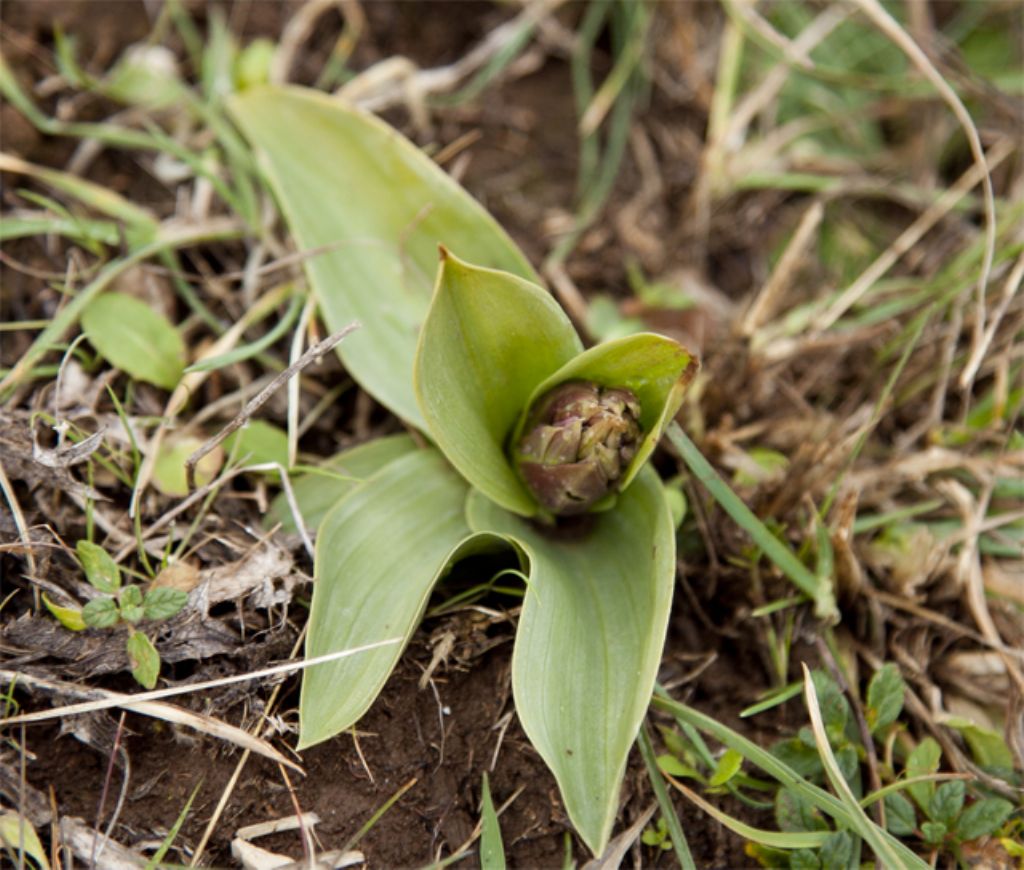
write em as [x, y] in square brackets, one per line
[578, 442]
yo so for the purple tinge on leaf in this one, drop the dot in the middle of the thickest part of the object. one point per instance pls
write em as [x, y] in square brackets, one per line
[578, 442]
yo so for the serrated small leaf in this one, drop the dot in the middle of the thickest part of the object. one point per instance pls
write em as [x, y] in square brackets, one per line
[163, 602]
[885, 697]
[933, 832]
[492, 852]
[70, 617]
[130, 602]
[101, 613]
[988, 747]
[946, 803]
[923, 760]
[802, 758]
[795, 813]
[100, 570]
[982, 818]
[143, 658]
[134, 338]
[728, 766]
[900, 818]
[489, 339]
[804, 859]
[836, 851]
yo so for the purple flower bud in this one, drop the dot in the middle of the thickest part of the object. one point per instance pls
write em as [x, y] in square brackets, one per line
[578, 442]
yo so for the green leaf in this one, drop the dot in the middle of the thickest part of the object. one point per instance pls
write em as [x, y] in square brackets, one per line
[589, 641]
[835, 709]
[728, 766]
[933, 832]
[162, 602]
[257, 443]
[885, 697]
[20, 837]
[379, 553]
[317, 491]
[131, 604]
[133, 337]
[492, 852]
[143, 658]
[988, 747]
[795, 813]
[100, 570]
[836, 851]
[674, 767]
[489, 339]
[347, 180]
[923, 760]
[900, 818]
[169, 469]
[804, 859]
[101, 613]
[70, 617]
[657, 370]
[982, 818]
[947, 802]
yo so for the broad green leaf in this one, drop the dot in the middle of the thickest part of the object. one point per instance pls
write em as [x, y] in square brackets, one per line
[100, 570]
[378, 554]
[836, 851]
[924, 759]
[133, 337]
[143, 658]
[169, 469]
[319, 490]
[346, 180]
[257, 443]
[933, 832]
[983, 817]
[163, 602]
[885, 697]
[101, 613]
[70, 617]
[793, 812]
[589, 641]
[492, 852]
[489, 339]
[20, 837]
[655, 368]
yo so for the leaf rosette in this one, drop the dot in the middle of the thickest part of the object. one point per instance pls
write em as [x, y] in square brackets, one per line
[494, 361]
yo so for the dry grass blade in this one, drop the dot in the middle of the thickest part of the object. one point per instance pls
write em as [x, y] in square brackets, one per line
[120, 700]
[154, 709]
[312, 355]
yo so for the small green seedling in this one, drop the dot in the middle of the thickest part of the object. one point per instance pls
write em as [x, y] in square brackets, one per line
[121, 604]
[657, 836]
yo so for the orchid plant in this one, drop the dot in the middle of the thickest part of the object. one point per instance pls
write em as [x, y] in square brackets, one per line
[537, 447]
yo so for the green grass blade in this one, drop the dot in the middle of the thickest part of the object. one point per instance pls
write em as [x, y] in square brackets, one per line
[668, 812]
[492, 850]
[819, 589]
